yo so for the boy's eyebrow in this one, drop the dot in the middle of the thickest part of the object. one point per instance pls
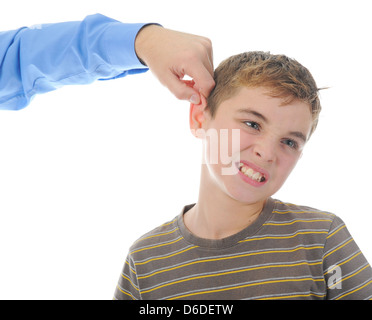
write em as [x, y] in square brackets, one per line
[255, 113]
[299, 135]
[296, 134]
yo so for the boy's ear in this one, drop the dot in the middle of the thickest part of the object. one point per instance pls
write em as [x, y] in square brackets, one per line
[197, 115]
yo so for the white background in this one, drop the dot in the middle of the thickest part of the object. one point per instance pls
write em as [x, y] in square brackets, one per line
[86, 170]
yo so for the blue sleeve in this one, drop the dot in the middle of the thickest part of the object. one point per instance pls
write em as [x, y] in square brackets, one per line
[43, 58]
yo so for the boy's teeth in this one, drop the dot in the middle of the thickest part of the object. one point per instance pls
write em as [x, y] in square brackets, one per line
[256, 176]
[249, 172]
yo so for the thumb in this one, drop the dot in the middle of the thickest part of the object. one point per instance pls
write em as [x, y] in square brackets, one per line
[183, 89]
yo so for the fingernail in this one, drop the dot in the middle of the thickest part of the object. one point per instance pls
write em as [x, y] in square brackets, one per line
[195, 99]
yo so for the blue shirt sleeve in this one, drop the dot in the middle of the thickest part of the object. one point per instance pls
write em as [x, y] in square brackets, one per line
[45, 57]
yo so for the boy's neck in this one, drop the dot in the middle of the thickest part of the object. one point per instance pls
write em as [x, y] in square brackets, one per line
[217, 216]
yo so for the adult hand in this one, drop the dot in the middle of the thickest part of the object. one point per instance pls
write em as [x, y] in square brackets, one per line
[171, 55]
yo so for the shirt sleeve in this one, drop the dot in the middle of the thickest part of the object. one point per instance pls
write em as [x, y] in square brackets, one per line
[347, 273]
[45, 57]
[127, 287]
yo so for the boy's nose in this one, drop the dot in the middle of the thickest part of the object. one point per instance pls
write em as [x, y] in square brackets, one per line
[265, 150]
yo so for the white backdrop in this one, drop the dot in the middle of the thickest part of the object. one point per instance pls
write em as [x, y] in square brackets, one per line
[86, 170]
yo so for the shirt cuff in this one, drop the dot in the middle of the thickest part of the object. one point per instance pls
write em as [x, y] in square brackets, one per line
[120, 39]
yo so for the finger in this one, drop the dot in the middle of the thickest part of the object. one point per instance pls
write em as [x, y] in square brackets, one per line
[203, 77]
[182, 89]
[209, 62]
[189, 83]
[196, 98]
[207, 56]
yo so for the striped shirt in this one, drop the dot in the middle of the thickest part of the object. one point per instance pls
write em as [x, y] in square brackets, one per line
[289, 252]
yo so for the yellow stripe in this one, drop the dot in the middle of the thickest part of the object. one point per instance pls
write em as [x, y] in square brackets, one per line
[168, 223]
[294, 296]
[227, 258]
[303, 211]
[289, 223]
[129, 295]
[130, 281]
[340, 264]
[130, 268]
[168, 256]
[352, 275]
[337, 249]
[281, 202]
[161, 234]
[333, 233]
[244, 286]
[156, 235]
[157, 246]
[357, 289]
[232, 272]
[282, 237]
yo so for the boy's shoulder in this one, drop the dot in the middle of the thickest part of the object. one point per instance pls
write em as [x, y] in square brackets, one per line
[291, 208]
[161, 235]
[301, 213]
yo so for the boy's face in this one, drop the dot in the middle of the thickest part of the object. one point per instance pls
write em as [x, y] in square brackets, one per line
[272, 137]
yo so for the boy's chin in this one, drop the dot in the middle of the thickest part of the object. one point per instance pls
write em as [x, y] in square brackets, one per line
[249, 198]
[246, 196]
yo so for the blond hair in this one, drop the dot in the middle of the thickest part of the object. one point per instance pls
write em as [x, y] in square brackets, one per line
[283, 77]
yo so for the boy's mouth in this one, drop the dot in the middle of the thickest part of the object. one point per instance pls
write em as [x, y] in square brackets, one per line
[252, 173]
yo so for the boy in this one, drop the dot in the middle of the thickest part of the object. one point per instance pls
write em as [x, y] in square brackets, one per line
[237, 242]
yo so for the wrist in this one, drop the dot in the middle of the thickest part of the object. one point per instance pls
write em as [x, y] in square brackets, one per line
[142, 43]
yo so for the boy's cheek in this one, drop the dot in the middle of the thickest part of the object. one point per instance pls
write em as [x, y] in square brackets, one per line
[288, 165]
[245, 141]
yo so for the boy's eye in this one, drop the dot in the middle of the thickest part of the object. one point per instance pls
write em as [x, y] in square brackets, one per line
[290, 143]
[252, 124]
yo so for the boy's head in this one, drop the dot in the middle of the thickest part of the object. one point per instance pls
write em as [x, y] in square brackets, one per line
[272, 103]
[282, 76]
